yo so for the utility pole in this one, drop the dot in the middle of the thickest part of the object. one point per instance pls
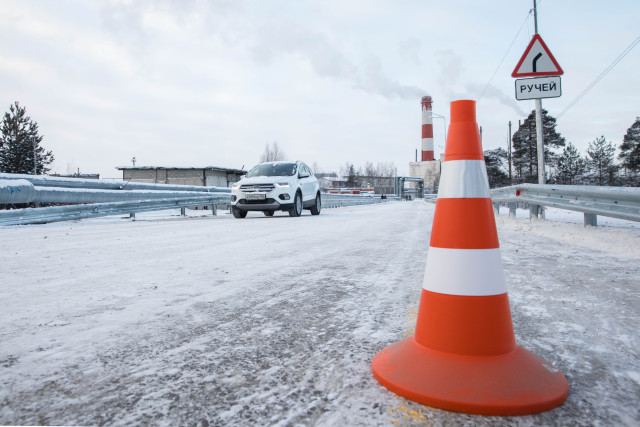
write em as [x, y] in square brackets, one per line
[539, 129]
[510, 178]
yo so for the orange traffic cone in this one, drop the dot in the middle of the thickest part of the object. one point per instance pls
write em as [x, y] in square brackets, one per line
[463, 356]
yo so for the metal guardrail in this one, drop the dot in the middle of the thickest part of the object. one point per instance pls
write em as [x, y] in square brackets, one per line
[54, 181]
[92, 198]
[112, 199]
[22, 191]
[615, 202]
[94, 210]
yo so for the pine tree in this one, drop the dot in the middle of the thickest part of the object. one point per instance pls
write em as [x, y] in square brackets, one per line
[601, 160]
[630, 151]
[525, 151]
[570, 166]
[351, 174]
[494, 160]
[20, 150]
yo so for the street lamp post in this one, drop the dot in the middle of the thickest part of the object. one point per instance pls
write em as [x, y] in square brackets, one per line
[444, 124]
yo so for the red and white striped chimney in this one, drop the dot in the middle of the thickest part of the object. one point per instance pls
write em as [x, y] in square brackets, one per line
[427, 129]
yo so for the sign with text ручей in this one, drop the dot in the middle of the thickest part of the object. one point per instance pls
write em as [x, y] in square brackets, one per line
[538, 87]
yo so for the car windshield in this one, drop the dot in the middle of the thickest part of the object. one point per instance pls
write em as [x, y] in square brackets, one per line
[273, 169]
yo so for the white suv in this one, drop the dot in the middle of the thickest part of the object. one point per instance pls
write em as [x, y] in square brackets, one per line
[276, 186]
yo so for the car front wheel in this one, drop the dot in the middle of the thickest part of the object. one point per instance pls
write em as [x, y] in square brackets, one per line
[239, 213]
[296, 210]
[268, 213]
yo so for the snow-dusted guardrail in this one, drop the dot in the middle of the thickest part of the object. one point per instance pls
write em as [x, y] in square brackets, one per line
[74, 212]
[23, 191]
[90, 198]
[85, 184]
[615, 202]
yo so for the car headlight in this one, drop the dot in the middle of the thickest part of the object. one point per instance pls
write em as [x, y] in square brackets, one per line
[282, 184]
[235, 185]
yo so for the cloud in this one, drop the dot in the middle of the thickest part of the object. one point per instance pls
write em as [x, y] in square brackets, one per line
[135, 23]
[286, 38]
[410, 50]
[493, 92]
[450, 69]
[327, 59]
[375, 80]
[267, 42]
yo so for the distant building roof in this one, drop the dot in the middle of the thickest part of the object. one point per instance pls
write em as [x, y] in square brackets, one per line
[215, 168]
[78, 175]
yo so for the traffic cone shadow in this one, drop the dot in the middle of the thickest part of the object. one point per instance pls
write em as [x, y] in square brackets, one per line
[463, 356]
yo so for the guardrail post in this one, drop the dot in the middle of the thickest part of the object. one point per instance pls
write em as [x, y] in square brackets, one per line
[590, 219]
[512, 210]
[496, 208]
[132, 215]
[183, 211]
[214, 210]
[533, 212]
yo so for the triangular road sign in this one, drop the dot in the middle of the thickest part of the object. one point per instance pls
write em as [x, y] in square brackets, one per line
[537, 61]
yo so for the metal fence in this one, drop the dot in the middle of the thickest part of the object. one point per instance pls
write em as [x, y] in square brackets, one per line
[91, 198]
[86, 184]
[94, 210]
[615, 202]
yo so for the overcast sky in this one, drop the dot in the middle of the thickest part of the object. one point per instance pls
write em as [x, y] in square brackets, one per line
[210, 83]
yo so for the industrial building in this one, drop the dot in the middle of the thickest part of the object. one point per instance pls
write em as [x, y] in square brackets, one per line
[210, 176]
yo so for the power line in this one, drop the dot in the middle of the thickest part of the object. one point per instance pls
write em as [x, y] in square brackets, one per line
[602, 74]
[505, 55]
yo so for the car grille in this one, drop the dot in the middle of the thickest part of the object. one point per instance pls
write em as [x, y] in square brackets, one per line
[256, 202]
[257, 188]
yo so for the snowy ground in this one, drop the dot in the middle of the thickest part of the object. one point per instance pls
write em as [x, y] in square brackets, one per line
[216, 321]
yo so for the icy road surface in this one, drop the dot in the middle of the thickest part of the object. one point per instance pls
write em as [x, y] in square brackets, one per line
[274, 321]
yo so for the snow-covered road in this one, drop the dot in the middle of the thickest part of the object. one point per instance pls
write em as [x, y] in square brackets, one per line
[216, 321]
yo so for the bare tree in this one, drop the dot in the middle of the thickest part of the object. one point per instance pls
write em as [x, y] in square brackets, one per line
[381, 169]
[369, 169]
[273, 153]
[315, 167]
[386, 169]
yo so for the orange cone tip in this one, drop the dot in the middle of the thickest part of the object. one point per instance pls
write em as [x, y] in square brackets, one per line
[463, 356]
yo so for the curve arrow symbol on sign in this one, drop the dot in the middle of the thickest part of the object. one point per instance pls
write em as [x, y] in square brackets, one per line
[533, 64]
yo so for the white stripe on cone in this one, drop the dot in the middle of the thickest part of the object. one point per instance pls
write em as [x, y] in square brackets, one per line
[464, 179]
[471, 272]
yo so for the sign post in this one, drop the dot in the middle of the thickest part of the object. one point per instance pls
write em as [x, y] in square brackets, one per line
[537, 61]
